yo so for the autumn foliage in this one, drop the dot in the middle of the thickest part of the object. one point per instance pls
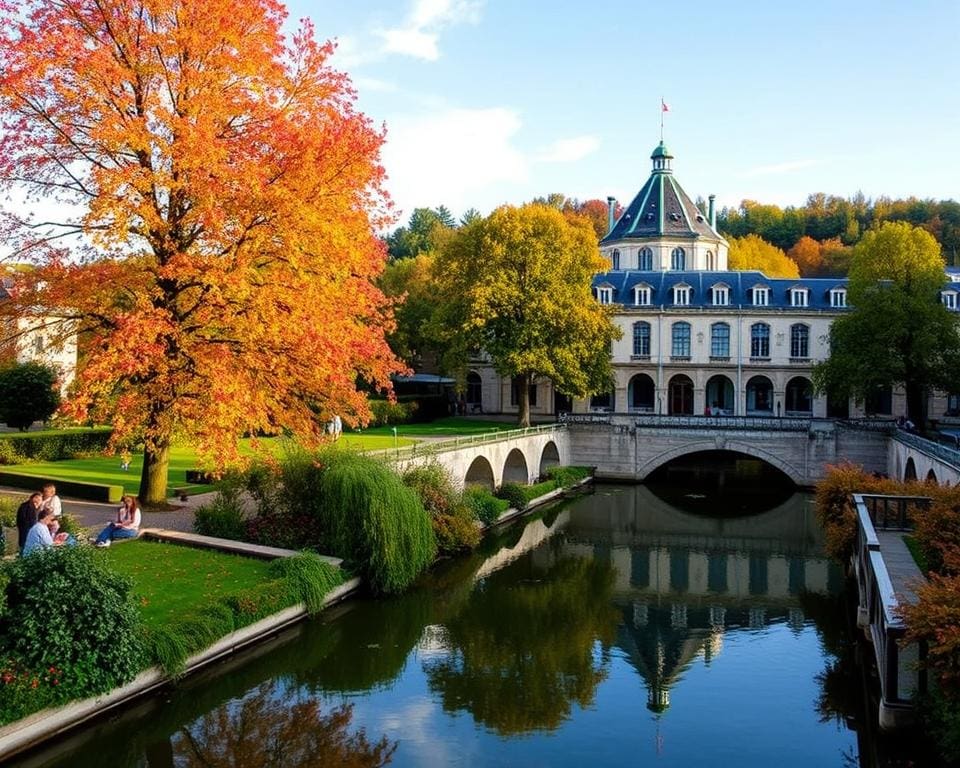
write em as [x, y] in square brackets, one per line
[213, 238]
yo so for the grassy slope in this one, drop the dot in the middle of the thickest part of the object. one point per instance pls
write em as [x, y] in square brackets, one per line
[170, 579]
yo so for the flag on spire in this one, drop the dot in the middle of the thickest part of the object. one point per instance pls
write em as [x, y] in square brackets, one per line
[663, 105]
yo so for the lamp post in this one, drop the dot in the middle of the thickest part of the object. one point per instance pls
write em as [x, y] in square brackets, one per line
[396, 448]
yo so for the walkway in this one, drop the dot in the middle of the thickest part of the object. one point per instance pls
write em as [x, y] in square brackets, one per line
[904, 573]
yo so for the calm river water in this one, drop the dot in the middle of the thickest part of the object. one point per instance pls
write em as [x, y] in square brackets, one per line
[613, 629]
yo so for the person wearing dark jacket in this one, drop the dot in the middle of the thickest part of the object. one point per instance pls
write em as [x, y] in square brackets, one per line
[27, 517]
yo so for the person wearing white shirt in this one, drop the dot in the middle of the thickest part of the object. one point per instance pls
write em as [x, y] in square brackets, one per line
[127, 525]
[51, 501]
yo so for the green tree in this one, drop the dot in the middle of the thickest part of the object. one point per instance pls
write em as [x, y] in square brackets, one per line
[411, 282]
[28, 393]
[517, 284]
[425, 231]
[469, 216]
[898, 333]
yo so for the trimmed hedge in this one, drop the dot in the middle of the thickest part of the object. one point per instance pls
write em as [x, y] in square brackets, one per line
[110, 494]
[47, 445]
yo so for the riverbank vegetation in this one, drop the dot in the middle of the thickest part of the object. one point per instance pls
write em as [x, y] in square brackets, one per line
[935, 618]
[76, 622]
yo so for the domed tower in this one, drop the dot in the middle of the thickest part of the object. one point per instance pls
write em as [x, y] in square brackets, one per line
[662, 229]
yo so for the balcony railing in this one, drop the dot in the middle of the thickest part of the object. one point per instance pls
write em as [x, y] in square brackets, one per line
[758, 423]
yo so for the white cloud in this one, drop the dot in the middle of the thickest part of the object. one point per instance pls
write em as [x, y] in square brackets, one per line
[569, 150]
[453, 157]
[374, 84]
[771, 170]
[418, 36]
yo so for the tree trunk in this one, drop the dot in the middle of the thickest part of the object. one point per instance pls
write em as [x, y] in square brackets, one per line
[916, 411]
[153, 481]
[523, 383]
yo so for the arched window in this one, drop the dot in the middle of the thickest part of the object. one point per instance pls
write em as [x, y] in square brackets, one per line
[681, 340]
[641, 339]
[711, 261]
[615, 258]
[799, 341]
[645, 260]
[719, 340]
[678, 259]
[759, 395]
[799, 397]
[641, 393]
[760, 340]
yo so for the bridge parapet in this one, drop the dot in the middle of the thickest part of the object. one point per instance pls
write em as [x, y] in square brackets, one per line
[435, 447]
[885, 573]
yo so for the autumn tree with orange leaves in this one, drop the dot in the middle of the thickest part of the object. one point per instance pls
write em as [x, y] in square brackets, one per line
[211, 240]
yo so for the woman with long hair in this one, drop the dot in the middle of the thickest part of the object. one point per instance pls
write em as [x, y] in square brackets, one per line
[127, 525]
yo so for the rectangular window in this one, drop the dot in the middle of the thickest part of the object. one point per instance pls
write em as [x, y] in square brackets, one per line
[760, 341]
[949, 300]
[760, 297]
[681, 340]
[720, 340]
[642, 297]
[641, 340]
[515, 393]
[798, 297]
[838, 299]
[721, 297]
[799, 341]
[604, 295]
[681, 295]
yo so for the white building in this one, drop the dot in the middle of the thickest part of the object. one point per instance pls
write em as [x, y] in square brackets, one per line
[697, 336]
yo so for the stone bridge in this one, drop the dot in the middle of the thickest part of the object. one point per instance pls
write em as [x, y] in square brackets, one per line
[518, 455]
[630, 447]
[912, 457]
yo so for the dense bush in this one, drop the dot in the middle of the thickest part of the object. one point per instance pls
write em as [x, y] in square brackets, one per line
[451, 517]
[28, 393]
[514, 494]
[485, 506]
[52, 446]
[567, 477]
[385, 413]
[375, 521]
[70, 624]
[223, 517]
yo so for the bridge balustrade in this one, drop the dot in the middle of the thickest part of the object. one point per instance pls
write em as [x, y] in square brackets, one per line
[944, 453]
[878, 604]
[466, 441]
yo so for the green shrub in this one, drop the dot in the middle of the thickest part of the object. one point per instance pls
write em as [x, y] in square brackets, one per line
[52, 445]
[375, 522]
[385, 413]
[567, 477]
[514, 494]
[28, 393]
[485, 506]
[171, 644]
[223, 517]
[67, 612]
[70, 524]
[308, 577]
[450, 516]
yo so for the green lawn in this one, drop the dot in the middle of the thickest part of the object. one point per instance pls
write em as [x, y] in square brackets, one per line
[451, 426]
[169, 580]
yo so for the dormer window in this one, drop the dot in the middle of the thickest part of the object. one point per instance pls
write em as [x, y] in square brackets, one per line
[641, 295]
[838, 298]
[678, 259]
[615, 258]
[761, 296]
[605, 294]
[681, 295]
[645, 260]
[798, 297]
[721, 295]
[949, 299]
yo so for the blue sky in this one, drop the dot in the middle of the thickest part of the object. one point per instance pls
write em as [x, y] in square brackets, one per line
[494, 101]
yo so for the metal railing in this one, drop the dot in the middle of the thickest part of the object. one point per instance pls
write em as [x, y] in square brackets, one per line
[466, 441]
[886, 426]
[944, 453]
[892, 513]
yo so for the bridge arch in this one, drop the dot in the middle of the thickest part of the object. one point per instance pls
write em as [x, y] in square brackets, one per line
[549, 457]
[721, 445]
[515, 468]
[480, 473]
[910, 470]
[932, 477]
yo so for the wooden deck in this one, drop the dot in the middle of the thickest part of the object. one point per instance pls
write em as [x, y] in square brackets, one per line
[904, 573]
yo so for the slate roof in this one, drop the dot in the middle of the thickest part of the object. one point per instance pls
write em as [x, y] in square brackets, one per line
[661, 208]
[740, 284]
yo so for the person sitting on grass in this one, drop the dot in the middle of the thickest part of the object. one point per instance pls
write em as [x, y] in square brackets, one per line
[51, 501]
[59, 537]
[39, 536]
[27, 518]
[127, 525]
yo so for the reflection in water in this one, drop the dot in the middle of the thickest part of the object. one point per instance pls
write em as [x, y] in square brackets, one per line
[270, 728]
[520, 651]
[614, 625]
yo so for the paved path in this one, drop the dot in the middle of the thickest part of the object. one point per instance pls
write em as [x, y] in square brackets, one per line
[95, 515]
[905, 575]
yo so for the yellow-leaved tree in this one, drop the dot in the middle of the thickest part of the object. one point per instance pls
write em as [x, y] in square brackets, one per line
[753, 252]
[517, 284]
